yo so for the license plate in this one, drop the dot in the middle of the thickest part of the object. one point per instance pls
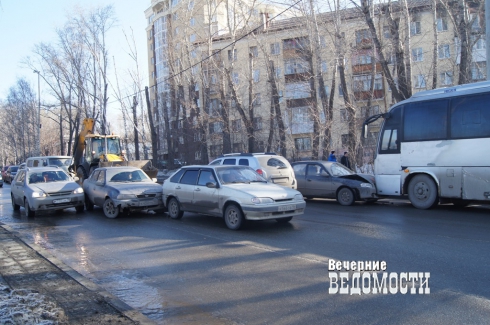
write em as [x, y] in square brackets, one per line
[287, 207]
[279, 180]
[61, 201]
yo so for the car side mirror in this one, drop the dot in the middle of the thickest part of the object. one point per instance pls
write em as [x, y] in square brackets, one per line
[76, 178]
[154, 180]
[211, 185]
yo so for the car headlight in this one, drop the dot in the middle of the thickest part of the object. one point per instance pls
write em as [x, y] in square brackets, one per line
[38, 194]
[262, 200]
[125, 196]
[78, 191]
[366, 185]
[298, 197]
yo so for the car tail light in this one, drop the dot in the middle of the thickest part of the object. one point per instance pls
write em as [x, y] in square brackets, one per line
[260, 172]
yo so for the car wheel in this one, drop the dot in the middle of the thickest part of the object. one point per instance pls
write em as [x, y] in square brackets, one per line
[174, 209]
[422, 192]
[234, 217]
[80, 208]
[88, 204]
[16, 207]
[110, 209]
[345, 196]
[29, 212]
[284, 220]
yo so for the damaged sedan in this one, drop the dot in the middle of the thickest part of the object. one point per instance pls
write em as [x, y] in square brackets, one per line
[121, 189]
[331, 180]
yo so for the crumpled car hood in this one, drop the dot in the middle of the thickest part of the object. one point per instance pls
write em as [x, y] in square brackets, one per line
[365, 178]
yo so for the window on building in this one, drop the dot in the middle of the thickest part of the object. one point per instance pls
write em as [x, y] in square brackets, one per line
[175, 16]
[344, 138]
[275, 48]
[323, 42]
[363, 82]
[234, 77]
[197, 155]
[296, 65]
[257, 123]
[192, 38]
[296, 90]
[415, 28]
[363, 36]
[341, 91]
[181, 140]
[446, 78]
[441, 24]
[302, 144]
[215, 107]
[369, 111]
[197, 137]
[254, 51]
[443, 51]
[257, 101]
[193, 21]
[176, 31]
[364, 59]
[344, 115]
[324, 66]
[215, 127]
[386, 32]
[191, 5]
[478, 71]
[479, 42]
[236, 125]
[475, 22]
[278, 72]
[232, 55]
[419, 81]
[256, 75]
[417, 54]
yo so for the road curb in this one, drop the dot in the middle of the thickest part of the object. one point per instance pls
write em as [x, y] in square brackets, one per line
[112, 300]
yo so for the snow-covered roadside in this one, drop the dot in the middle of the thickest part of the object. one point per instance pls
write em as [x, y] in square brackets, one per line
[25, 306]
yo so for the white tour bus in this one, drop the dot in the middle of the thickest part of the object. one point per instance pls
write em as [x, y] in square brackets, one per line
[435, 146]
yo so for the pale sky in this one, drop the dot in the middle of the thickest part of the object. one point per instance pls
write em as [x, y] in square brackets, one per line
[25, 23]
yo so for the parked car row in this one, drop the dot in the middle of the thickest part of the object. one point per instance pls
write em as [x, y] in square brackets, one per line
[236, 187]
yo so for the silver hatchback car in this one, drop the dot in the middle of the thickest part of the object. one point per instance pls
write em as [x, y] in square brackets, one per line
[236, 193]
[44, 189]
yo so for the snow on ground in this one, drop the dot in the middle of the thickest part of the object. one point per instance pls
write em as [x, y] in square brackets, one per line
[20, 307]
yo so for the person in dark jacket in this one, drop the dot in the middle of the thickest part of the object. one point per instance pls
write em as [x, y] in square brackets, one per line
[345, 160]
[332, 157]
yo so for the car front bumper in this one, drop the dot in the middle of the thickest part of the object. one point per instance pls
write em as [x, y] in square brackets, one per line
[367, 193]
[275, 211]
[155, 203]
[56, 202]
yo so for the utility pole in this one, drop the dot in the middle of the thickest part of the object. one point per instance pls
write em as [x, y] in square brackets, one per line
[38, 128]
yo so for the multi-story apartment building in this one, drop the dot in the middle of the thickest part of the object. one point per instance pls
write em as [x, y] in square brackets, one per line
[226, 77]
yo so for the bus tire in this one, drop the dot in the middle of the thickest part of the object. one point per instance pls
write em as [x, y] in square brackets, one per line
[422, 192]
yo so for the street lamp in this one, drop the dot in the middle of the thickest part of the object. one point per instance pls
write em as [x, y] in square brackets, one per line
[38, 135]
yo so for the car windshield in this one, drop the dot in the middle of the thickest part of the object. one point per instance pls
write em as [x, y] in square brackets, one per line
[128, 176]
[237, 174]
[340, 170]
[59, 161]
[47, 177]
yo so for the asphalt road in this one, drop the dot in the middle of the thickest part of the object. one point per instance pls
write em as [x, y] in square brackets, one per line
[196, 271]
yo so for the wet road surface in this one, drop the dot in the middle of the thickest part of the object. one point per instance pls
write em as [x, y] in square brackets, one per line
[196, 271]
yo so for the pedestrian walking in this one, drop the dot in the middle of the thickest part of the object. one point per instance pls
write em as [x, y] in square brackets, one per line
[345, 160]
[332, 157]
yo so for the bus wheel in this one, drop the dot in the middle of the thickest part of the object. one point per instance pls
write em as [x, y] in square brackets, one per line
[422, 192]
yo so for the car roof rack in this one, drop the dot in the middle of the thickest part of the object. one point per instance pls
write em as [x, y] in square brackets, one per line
[246, 154]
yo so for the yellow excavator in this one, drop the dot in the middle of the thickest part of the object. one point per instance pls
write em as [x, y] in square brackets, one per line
[95, 150]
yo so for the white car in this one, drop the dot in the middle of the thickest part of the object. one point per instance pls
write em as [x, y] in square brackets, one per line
[44, 189]
[236, 193]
